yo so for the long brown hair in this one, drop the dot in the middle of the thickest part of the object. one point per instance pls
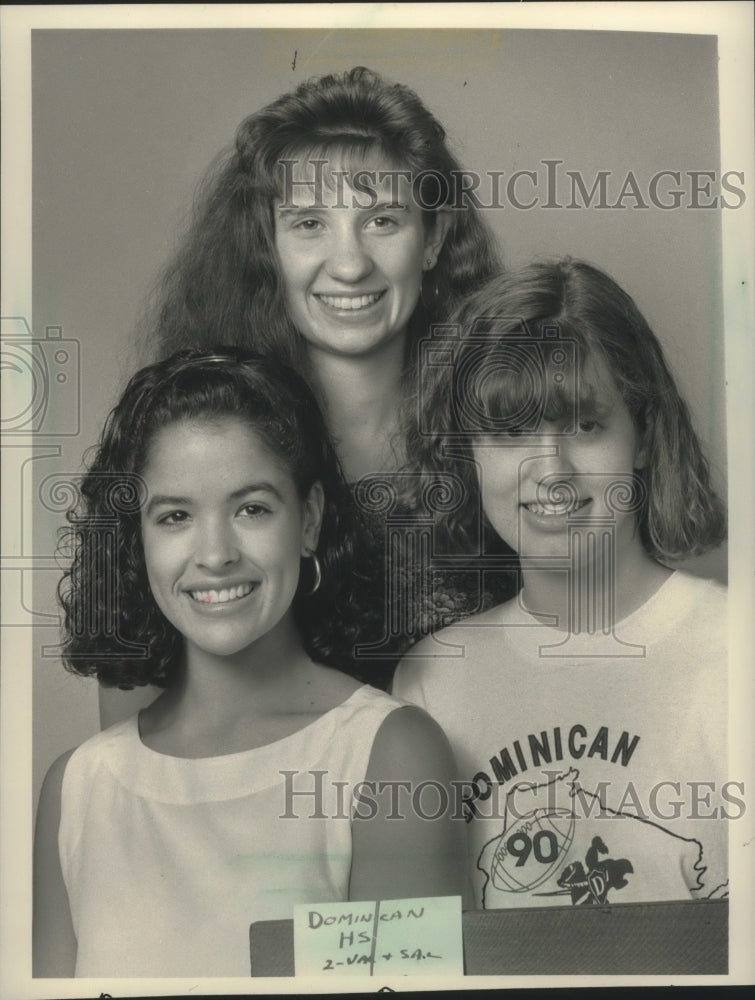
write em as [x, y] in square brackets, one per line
[224, 284]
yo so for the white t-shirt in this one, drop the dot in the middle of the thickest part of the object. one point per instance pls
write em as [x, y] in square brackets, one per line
[167, 861]
[595, 766]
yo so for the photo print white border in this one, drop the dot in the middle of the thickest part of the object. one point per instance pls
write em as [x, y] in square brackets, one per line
[732, 24]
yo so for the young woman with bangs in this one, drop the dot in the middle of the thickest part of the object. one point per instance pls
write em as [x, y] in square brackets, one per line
[584, 712]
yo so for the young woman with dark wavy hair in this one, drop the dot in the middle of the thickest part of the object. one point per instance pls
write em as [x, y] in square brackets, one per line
[331, 235]
[214, 556]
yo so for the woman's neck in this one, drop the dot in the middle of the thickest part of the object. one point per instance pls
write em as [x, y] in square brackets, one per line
[363, 398]
[223, 704]
[590, 601]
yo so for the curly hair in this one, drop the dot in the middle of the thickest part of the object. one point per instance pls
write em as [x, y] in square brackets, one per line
[225, 275]
[484, 387]
[114, 629]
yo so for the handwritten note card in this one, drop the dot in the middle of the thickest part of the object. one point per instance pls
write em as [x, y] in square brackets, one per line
[397, 937]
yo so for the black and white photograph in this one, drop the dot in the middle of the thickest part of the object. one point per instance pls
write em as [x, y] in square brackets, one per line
[377, 543]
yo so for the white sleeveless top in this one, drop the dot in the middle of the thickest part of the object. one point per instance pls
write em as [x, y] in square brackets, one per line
[167, 860]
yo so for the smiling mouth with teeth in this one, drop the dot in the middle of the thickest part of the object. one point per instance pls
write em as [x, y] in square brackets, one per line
[224, 596]
[554, 510]
[350, 302]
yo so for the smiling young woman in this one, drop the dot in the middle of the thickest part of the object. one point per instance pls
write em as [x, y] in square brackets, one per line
[605, 680]
[352, 274]
[222, 547]
[224, 574]
[331, 237]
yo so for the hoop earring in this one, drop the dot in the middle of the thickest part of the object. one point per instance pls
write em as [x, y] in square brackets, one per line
[318, 574]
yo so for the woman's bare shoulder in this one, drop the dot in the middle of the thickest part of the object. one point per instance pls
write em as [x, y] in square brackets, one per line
[54, 778]
[330, 687]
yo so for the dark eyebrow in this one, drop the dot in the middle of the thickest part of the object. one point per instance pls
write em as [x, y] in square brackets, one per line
[257, 488]
[164, 500]
[298, 209]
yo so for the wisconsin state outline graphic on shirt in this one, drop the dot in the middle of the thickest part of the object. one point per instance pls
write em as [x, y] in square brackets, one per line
[560, 844]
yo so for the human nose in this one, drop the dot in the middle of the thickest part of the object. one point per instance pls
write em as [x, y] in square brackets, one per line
[216, 546]
[553, 457]
[348, 259]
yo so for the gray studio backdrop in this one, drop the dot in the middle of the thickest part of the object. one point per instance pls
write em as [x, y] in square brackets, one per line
[125, 122]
